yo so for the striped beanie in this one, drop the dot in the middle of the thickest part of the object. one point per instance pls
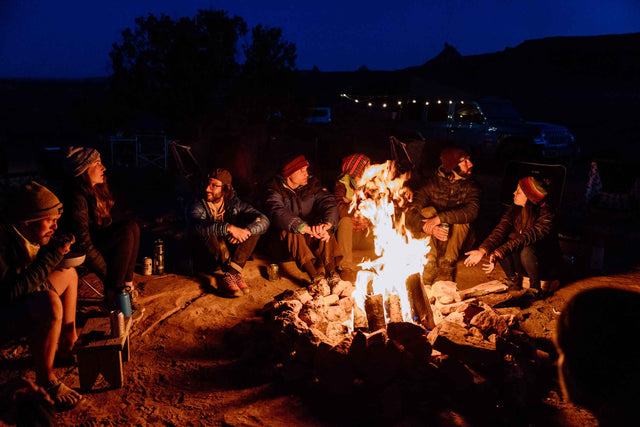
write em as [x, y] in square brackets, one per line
[355, 164]
[293, 165]
[533, 189]
[78, 159]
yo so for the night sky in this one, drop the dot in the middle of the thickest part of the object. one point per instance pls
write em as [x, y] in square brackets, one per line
[70, 39]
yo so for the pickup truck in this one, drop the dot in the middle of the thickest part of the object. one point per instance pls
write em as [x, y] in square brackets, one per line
[488, 128]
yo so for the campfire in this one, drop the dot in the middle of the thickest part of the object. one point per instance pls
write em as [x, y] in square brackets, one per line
[389, 334]
[381, 200]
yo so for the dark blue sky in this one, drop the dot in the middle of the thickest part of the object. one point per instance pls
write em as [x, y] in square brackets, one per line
[72, 38]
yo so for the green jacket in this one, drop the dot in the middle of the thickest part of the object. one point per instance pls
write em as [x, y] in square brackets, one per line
[18, 276]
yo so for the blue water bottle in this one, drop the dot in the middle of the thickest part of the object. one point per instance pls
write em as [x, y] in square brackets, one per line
[123, 302]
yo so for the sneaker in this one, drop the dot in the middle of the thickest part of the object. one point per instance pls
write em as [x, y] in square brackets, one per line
[228, 286]
[242, 284]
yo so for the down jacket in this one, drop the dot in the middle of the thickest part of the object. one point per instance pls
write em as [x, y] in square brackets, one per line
[19, 277]
[237, 212]
[457, 202]
[509, 236]
[309, 204]
[79, 219]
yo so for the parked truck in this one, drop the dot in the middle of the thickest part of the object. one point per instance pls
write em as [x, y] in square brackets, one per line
[489, 128]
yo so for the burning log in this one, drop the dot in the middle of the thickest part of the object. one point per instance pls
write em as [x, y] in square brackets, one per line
[359, 320]
[420, 307]
[394, 308]
[374, 307]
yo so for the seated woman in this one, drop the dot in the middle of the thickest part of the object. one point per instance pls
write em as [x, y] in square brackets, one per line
[111, 246]
[524, 241]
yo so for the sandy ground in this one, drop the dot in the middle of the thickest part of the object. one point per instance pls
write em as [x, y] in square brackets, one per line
[182, 371]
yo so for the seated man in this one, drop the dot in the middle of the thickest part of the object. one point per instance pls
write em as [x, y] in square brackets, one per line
[306, 215]
[353, 230]
[38, 300]
[450, 196]
[222, 231]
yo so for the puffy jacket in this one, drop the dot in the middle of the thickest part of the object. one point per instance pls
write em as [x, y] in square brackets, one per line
[457, 202]
[18, 276]
[237, 212]
[310, 204]
[509, 236]
[79, 219]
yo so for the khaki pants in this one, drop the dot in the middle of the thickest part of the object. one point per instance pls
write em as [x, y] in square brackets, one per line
[448, 251]
[303, 248]
[348, 240]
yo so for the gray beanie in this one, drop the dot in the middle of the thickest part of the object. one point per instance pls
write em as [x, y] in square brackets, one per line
[78, 159]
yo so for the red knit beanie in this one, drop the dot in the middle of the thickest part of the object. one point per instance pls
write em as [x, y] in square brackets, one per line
[451, 156]
[533, 189]
[295, 164]
[355, 164]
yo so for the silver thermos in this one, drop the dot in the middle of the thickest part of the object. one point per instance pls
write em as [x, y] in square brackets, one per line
[158, 257]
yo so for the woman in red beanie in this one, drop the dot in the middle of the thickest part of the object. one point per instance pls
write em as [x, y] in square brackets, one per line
[525, 240]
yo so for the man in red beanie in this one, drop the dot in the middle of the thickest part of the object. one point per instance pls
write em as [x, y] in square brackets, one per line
[38, 298]
[449, 197]
[307, 216]
[222, 231]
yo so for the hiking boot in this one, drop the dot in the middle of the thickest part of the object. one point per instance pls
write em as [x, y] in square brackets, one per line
[513, 283]
[348, 275]
[333, 279]
[429, 273]
[446, 270]
[228, 286]
[549, 286]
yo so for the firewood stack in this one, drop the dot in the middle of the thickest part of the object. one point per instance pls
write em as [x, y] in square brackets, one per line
[472, 349]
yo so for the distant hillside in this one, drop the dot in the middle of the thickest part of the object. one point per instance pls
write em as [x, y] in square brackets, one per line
[587, 83]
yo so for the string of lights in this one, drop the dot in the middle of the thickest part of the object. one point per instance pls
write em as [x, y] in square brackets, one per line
[388, 101]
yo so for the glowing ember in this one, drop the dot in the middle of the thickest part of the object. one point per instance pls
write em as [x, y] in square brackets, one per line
[381, 199]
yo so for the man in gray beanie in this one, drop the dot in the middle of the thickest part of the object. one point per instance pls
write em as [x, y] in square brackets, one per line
[37, 297]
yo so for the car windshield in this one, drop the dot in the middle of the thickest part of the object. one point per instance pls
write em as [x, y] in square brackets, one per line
[500, 110]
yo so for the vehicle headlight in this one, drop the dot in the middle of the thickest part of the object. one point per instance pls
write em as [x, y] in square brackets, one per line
[540, 139]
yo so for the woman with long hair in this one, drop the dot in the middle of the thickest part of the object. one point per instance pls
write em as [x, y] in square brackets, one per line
[525, 240]
[111, 246]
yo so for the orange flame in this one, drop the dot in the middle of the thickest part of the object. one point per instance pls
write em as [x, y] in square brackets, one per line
[381, 199]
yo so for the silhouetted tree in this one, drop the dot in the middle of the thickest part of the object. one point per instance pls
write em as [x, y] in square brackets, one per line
[267, 74]
[184, 68]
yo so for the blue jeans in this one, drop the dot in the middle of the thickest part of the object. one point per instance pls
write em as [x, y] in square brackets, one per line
[526, 263]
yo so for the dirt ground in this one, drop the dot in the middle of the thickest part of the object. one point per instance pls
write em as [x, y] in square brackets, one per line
[182, 371]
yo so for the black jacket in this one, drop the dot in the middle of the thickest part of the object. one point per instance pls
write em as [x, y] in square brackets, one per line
[509, 236]
[457, 202]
